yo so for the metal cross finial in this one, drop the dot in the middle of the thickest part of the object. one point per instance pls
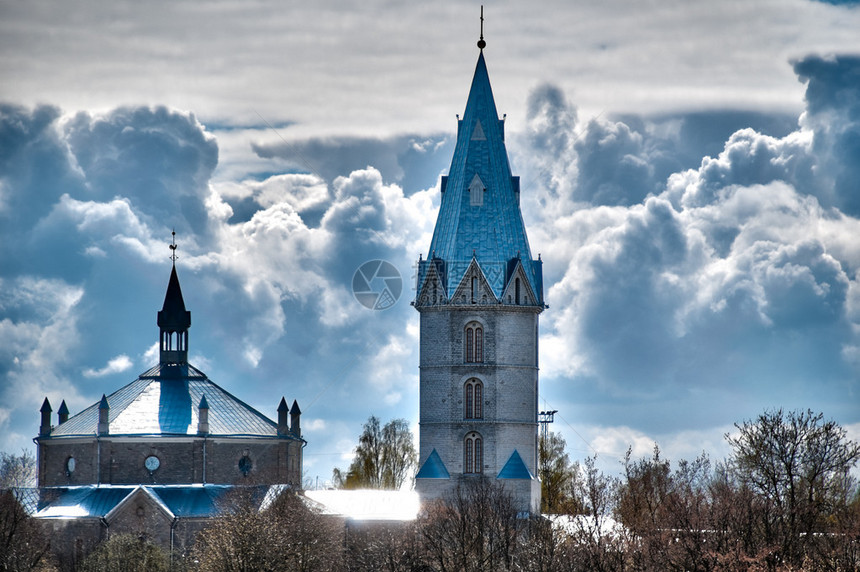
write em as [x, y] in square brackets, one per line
[173, 248]
[481, 43]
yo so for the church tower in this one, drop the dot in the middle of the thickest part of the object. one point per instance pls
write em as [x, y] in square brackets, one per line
[479, 293]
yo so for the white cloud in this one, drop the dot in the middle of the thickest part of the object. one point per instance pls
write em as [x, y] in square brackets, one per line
[118, 364]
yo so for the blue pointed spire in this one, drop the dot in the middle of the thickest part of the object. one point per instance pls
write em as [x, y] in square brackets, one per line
[480, 213]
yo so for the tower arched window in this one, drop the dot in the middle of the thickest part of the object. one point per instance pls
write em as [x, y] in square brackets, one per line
[473, 454]
[474, 399]
[474, 350]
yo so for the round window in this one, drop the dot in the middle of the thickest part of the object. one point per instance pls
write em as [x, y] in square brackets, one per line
[152, 463]
[70, 465]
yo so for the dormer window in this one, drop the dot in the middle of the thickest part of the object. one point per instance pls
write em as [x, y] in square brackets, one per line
[476, 191]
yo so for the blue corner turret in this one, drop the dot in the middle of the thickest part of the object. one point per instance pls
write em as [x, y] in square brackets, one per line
[479, 217]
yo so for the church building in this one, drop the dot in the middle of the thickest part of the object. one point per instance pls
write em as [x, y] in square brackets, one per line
[155, 457]
[479, 293]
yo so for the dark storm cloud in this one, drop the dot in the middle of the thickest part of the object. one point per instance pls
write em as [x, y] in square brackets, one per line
[161, 159]
[833, 113]
[716, 279]
[34, 172]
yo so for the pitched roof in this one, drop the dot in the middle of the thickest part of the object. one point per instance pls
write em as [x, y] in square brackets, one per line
[433, 468]
[515, 468]
[164, 401]
[485, 224]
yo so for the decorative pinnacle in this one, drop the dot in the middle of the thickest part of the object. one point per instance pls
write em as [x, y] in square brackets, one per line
[173, 248]
[481, 43]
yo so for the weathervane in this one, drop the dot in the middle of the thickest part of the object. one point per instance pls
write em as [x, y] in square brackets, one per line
[173, 248]
[481, 43]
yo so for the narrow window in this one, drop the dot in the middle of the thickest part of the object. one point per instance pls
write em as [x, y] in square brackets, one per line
[474, 346]
[474, 394]
[473, 454]
[517, 291]
[470, 400]
[469, 465]
[470, 344]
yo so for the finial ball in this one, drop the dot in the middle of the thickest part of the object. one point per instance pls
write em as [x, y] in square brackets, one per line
[482, 44]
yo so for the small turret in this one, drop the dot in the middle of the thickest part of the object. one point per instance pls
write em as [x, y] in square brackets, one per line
[203, 417]
[45, 425]
[63, 413]
[295, 419]
[174, 320]
[283, 419]
[104, 416]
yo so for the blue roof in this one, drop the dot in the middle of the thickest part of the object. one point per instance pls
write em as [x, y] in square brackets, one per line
[487, 225]
[515, 468]
[164, 401]
[433, 468]
[79, 502]
[97, 501]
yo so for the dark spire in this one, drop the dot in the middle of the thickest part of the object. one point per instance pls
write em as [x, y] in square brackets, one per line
[173, 315]
[283, 417]
[63, 413]
[104, 416]
[295, 419]
[45, 425]
[173, 319]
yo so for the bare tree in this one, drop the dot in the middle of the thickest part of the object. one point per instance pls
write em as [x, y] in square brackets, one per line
[23, 546]
[284, 536]
[597, 542]
[473, 529]
[126, 553]
[799, 465]
[17, 470]
[384, 458]
[383, 547]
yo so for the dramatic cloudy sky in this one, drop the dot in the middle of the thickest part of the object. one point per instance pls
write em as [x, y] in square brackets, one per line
[690, 174]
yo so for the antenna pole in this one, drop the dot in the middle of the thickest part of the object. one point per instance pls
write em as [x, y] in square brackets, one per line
[481, 43]
[173, 248]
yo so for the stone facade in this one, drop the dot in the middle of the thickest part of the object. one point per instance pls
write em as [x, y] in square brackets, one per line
[153, 458]
[479, 294]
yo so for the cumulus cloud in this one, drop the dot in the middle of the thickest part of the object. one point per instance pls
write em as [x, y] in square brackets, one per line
[699, 267]
[118, 364]
[733, 277]
[39, 334]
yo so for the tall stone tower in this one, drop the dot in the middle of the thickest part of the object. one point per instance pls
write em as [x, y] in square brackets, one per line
[479, 293]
